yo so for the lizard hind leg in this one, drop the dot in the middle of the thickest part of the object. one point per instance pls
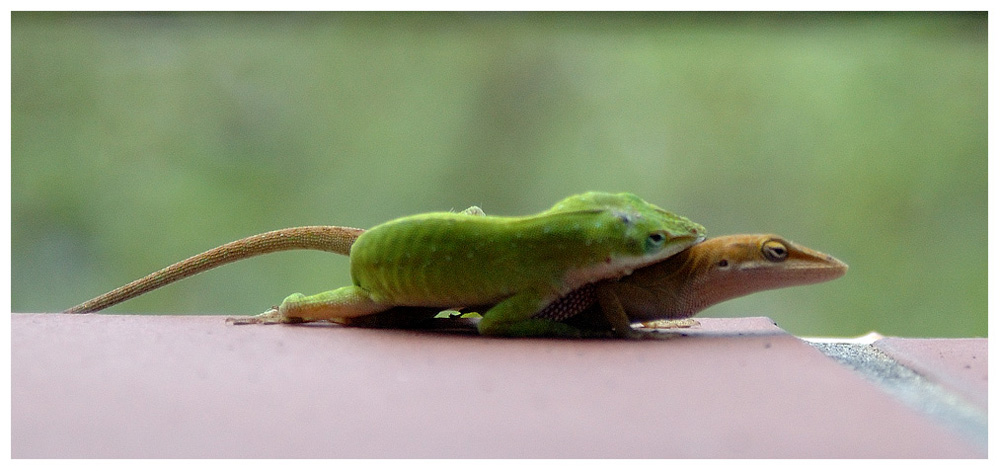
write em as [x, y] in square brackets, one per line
[334, 306]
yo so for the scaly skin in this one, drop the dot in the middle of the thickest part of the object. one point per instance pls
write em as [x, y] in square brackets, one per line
[533, 260]
[516, 264]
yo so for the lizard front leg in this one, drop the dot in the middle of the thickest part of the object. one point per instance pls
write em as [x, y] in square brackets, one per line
[615, 314]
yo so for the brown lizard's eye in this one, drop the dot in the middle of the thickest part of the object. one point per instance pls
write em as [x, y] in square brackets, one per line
[774, 251]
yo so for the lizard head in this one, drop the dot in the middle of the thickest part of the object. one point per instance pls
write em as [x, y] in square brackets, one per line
[720, 269]
[728, 267]
[646, 232]
[765, 261]
[659, 232]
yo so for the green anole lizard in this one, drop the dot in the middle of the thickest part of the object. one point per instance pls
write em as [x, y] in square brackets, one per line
[517, 265]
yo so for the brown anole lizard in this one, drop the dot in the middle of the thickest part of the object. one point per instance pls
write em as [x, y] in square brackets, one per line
[665, 295]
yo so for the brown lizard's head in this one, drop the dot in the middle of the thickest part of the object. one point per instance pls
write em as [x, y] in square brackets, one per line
[727, 267]
[764, 261]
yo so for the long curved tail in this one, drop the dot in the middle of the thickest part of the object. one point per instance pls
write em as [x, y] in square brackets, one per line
[334, 239]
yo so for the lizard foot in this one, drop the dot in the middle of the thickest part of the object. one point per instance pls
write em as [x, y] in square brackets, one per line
[271, 316]
[629, 334]
[670, 324]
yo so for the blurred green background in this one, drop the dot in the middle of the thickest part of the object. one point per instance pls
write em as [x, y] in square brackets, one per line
[141, 139]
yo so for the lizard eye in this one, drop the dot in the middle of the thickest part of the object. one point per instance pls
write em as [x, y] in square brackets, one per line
[654, 242]
[774, 251]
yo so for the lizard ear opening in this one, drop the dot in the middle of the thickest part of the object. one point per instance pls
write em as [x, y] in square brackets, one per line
[774, 251]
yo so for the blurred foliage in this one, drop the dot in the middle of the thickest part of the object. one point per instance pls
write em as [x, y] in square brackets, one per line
[141, 139]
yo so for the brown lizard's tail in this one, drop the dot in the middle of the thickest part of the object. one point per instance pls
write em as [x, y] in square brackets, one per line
[334, 239]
